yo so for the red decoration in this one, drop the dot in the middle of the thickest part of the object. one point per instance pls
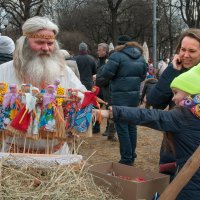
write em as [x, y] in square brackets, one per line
[139, 179]
[25, 118]
[90, 97]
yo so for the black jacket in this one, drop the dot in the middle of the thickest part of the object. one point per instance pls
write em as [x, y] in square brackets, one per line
[104, 89]
[87, 68]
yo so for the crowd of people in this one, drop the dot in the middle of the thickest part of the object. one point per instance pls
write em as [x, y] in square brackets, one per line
[171, 89]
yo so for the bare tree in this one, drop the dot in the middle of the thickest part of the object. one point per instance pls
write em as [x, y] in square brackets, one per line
[3, 16]
[114, 7]
[168, 27]
[135, 19]
[56, 8]
[95, 21]
[20, 10]
[190, 12]
[68, 15]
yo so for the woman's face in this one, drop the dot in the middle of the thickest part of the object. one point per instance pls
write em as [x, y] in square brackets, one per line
[189, 52]
[179, 95]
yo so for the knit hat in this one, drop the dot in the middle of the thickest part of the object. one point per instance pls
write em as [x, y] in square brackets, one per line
[83, 46]
[189, 81]
[122, 39]
[7, 46]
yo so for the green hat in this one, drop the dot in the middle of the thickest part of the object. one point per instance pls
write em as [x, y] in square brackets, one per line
[189, 81]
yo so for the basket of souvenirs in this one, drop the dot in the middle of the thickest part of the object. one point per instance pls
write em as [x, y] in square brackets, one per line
[52, 114]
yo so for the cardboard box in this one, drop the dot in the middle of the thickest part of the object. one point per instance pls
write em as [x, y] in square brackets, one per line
[112, 175]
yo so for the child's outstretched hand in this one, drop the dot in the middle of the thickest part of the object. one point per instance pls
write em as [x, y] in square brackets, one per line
[97, 112]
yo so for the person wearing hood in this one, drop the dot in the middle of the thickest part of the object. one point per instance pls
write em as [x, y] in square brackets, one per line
[125, 70]
[7, 47]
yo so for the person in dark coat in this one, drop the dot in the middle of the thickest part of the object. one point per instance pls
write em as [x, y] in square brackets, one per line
[124, 71]
[103, 52]
[86, 65]
[183, 122]
[160, 96]
[7, 47]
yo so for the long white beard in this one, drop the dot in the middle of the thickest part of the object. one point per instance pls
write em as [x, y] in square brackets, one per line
[38, 67]
[42, 69]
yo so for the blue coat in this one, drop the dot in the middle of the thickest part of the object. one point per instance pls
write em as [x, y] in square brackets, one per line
[185, 128]
[124, 72]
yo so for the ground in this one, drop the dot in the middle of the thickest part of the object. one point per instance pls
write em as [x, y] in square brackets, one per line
[98, 149]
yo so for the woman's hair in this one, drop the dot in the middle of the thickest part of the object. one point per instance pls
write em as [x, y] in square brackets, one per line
[192, 33]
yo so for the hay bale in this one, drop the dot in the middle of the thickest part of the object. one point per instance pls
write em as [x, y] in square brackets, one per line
[56, 183]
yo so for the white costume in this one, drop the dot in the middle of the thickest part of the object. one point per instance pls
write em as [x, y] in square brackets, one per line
[67, 77]
[67, 80]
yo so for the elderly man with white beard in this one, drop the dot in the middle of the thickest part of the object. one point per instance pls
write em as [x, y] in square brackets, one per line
[37, 61]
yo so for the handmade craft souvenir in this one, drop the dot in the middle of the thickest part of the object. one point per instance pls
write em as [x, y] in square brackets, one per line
[33, 129]
[10, 108]
[23, 119]
[83, 116]
[70, 108]
[47, 121]
[59, 116]
[3, 90]
[90, 97]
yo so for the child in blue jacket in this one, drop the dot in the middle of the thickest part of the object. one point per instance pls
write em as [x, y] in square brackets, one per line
[183, 122]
